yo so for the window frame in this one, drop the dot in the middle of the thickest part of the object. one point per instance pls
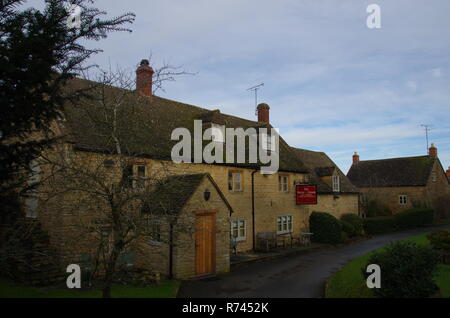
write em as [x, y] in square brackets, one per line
[233, 183]
[289, 219]
[403, 199]
[152, 227]
[336, 185]
[283, 186]
[238, 222]
[137, 182]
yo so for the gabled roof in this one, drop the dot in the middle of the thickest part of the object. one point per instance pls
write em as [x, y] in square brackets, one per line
[395, 172]
[172, 193]
[320, 165]
[145, 125]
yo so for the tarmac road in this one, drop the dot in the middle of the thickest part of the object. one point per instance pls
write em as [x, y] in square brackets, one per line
[296, 276]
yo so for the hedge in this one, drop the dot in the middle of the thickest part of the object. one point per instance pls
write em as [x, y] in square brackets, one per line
[408, 219]
[379, 224]
[356, 222]
[326, 228]
[414, 218]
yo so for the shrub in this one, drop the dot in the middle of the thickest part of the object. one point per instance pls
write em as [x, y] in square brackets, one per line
[356, 221]
[414, 218]
[380, 224]
[406, 270]
[326, 228]
[375, 208]
[348, 228]
[440, 239]
[344, 236]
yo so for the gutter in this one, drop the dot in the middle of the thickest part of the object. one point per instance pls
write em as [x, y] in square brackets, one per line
[253, 210]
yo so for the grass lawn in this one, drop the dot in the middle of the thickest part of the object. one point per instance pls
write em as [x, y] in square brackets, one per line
[166, 289]
[350, 283]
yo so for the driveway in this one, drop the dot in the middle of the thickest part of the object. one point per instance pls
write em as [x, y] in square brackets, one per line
[298, 276]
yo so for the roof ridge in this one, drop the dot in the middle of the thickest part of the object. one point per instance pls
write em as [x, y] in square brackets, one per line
[397, 158]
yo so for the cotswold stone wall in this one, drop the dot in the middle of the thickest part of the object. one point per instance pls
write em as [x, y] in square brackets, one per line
[63, 216]
[338, 205]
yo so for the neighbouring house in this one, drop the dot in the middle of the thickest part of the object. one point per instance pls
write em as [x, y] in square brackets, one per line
[336, 194]
[193, 208]
[401, 183]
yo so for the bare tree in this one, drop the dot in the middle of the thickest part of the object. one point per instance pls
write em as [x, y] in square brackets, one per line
[104, 190]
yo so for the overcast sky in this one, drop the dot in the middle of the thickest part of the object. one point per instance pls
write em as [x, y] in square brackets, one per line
[333, 84]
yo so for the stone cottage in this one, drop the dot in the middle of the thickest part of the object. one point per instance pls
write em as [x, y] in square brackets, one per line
[195, 207]
[401, 183]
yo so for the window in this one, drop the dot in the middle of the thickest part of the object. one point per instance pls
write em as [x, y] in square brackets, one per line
[238, 229]
[403, 199]
[234, 181]
[283, 183]
[284, 224]
[217, 132]
[136, 176]
[433, 176]
[336, 184]
[153, 229]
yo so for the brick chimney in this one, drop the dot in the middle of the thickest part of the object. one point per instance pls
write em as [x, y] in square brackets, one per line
[432, 152]
[448, 172]
[263, 113]
[355, 158]
[144, 75]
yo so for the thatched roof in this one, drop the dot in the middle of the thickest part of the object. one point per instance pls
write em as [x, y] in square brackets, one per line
[396, 172]
[320, 165]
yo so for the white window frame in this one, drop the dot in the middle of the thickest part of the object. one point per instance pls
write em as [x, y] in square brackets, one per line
[234, 182]
[239, 225]
[336, 183]
[403, 199]
[283, 183]
[217, 132]
[286, 222]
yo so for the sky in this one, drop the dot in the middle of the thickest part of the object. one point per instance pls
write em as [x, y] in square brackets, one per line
[333, 84]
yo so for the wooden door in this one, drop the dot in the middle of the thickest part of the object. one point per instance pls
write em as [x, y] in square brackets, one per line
[205, 245]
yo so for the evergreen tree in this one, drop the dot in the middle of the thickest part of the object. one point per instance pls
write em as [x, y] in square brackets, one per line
[40, 50]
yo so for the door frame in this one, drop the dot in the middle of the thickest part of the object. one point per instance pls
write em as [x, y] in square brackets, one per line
[212, 213]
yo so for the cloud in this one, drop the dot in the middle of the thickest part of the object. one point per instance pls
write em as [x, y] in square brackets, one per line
[333, 84]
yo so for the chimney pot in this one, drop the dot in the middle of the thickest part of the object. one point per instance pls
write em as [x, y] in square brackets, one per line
[432, 152]
[144, 78]
[263, 113]
[355, 157]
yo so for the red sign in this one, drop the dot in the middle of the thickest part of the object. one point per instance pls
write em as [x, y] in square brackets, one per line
[306, 194]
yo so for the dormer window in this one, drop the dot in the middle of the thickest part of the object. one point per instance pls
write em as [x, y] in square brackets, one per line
[217, 132]
[336, 183]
